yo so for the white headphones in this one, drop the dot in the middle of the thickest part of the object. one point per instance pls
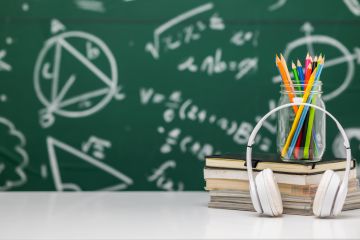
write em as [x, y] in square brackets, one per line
[264, 191]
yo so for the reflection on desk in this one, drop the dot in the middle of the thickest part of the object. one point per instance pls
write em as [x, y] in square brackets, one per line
[155, 215]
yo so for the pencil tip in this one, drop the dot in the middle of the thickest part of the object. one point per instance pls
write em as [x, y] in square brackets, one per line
[277, 60]
[293, 65]
[298, 63]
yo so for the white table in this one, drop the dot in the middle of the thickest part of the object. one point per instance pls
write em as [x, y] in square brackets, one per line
[154, 215]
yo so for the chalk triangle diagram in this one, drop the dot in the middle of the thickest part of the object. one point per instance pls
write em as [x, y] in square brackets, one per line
[77, 76]
[73, 170]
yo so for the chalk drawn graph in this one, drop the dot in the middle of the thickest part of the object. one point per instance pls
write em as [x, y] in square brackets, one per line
[162, 180]
[186, 110]
[189, 34]
[49, 71]
[13, 156]
[346, 57]
[54, 146]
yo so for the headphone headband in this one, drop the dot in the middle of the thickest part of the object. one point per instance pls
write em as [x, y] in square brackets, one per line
[253, 192]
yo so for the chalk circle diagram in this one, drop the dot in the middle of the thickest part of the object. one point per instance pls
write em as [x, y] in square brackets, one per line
[55, 78]
[354, 6]
[345, 57]
[353, 135]
[13, 156]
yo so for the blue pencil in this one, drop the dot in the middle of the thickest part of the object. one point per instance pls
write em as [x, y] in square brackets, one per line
[300, 73]
[303, 115]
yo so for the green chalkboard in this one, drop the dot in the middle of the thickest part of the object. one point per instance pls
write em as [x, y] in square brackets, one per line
[130, 95]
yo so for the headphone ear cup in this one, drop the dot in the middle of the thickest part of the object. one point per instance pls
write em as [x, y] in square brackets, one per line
[273, 192]
[255, 198]
[326, 194]
[261, 189]
[340, 199]
[320, 192]
[269, 194]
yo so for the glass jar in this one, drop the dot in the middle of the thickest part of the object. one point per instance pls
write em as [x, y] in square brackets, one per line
[309, 144]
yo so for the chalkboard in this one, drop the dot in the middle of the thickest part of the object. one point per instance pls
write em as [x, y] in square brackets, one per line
[131, 95]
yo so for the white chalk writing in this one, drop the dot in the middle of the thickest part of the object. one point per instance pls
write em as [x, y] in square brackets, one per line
[215, 64]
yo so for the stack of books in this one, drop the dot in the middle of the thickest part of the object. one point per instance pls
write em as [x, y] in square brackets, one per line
[227, 182]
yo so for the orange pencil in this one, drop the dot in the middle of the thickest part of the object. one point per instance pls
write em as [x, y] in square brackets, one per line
[286, 79]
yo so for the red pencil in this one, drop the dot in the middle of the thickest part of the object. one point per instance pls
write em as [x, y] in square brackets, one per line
[308, 70]
[308, 73]
[307, 60]
[298, 146]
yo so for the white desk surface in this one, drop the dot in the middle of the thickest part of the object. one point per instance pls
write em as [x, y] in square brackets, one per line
[154, 215]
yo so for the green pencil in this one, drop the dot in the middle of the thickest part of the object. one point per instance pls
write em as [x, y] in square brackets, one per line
[309, 130]
[296, 76]
[310, 123]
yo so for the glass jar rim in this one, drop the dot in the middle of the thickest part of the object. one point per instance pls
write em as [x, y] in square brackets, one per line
[317, 87]
[318, 83]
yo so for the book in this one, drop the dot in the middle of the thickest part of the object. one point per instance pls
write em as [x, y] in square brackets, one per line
[292, 211]
[287, 178]
[238, 200]
[263, 161]
[289, 189]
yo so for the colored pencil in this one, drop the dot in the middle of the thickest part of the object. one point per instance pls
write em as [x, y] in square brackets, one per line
[298, 146]
[304, 130]
[308, 72]
[310, 60]
[302, 78]
[307, 60]
[310, 131]
[301, 140]
[288, 76]
[314, 63]
[296, 76]
[299, 88]
[285, 67]
[286, 79]
[287, 72]
[299, 113]
[300, 72]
